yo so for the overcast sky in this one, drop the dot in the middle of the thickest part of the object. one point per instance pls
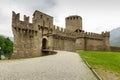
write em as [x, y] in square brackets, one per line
[98, 15]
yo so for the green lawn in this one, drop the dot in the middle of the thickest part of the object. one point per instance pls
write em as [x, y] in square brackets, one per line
[104, 60]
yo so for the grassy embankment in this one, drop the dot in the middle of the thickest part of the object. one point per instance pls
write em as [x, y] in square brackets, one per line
[107, 61]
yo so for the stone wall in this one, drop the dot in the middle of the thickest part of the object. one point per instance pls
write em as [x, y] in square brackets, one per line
[63, 43]
[94, 45]
[30, 39]
[42, 19]
[27, 38]
[73, 23]
[115, 49]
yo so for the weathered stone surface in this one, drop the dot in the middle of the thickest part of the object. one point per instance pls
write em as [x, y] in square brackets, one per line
[31, 38]
[115, 49]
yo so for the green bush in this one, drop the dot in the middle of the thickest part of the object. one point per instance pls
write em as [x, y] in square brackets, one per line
[6, 46]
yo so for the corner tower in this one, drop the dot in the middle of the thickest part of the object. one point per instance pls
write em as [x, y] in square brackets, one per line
[73, 23]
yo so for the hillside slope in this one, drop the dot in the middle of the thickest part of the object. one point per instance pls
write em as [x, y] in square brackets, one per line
[115, 37]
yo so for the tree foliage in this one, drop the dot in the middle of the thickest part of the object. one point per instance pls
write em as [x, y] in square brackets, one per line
[6, 46]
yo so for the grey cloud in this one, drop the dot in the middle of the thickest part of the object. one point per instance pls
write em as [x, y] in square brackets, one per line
[35, 4]
[20, 6]
[94, 12]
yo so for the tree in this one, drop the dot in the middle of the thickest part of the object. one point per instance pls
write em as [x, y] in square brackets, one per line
[6, 46]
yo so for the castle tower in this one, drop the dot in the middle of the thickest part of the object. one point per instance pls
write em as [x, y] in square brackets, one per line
[27, 38]
[106, 36]
[42, 19]
[74, 23]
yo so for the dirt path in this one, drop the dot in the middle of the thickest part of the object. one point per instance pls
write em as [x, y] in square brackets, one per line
[62, 66]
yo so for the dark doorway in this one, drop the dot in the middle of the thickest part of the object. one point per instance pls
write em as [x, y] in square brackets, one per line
[44, 44]
[44, 47]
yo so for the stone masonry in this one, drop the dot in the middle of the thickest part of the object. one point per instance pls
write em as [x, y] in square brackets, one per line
[30, 39]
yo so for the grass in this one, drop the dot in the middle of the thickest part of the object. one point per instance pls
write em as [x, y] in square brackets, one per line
[104, 60]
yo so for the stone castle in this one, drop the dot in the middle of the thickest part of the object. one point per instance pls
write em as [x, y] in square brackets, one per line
[30, 39]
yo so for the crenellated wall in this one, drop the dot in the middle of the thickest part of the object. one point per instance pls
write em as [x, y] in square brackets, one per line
[73, 22]
[26, 36]
[93, 41]
[106, 40]
[30, 39]
[80, 40]
[62, 39]
[42, 19]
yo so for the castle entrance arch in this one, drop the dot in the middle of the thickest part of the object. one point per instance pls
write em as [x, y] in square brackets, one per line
[44, 43]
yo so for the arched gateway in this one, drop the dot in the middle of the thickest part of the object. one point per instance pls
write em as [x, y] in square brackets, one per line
[44, 44]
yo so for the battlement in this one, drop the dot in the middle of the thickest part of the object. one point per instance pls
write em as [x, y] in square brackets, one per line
[73, 22]
[16, 17]
[38, 14]
[31, 38]
[39, 18]
[80, 34]
[66, 33]
[26, 19]
[106, 34]
[42, 19]
[73, 17]
[63, 32]
[22, 24]
[58, 29]
[93, 35]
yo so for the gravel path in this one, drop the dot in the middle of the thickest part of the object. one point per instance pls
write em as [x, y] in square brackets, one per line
[62, 66]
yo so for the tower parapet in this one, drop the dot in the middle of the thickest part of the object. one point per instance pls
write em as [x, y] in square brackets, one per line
[106, 40]
[73, 22]
[106, 34]
[58, 31]
[93, 35]
[42, 19]
[26, 19]
[25, 24]
[15, 17]
[26, 36]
